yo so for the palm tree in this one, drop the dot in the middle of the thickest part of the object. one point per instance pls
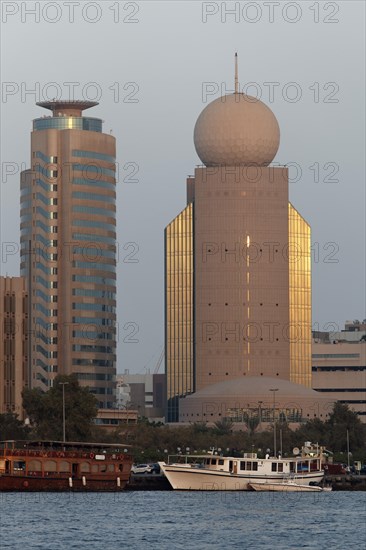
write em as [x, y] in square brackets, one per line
[223, 427]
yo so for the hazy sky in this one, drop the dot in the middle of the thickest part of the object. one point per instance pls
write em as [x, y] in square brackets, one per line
[154, 66]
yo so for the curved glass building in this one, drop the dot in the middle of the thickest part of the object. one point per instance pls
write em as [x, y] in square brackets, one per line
[68, 249]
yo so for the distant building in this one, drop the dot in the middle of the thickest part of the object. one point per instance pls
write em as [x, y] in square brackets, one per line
[143, 392]
[354, 331]
[123, 395]
[68, 248]
[355, 326]
[112, 418]
[14, 344]
[339, 366]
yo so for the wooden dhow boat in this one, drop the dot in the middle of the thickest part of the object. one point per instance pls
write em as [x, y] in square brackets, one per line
[60, 466]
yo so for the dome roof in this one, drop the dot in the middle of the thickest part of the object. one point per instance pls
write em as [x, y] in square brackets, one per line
[236, 129]
[254, 385]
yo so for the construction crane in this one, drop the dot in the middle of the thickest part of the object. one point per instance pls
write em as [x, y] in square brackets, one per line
[159, 362]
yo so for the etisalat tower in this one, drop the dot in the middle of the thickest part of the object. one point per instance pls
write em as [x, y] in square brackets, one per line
[238, 273]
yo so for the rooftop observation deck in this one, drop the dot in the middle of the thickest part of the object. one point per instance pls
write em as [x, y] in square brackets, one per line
[67, 107]
[67, 115]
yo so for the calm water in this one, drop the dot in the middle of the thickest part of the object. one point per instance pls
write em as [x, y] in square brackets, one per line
[167, 520]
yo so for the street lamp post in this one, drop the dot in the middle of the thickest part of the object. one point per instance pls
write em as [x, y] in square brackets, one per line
[274, 420]
[260, 413]
[281, 441]
[63, 384]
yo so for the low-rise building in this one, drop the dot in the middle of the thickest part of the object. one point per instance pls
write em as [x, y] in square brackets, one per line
[111, 418]
[13, 344]
[339, 366]
[143, 392]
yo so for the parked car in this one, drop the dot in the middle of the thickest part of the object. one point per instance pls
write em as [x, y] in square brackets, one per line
[141, 469]
[155, 468]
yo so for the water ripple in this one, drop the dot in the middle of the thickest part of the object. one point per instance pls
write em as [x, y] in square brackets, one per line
[183, 520]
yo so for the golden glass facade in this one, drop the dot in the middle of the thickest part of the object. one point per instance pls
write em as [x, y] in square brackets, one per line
[300, 298]
[179, 311]
[187, 292]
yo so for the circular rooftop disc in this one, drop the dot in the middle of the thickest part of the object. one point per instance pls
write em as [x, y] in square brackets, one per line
[236, 129]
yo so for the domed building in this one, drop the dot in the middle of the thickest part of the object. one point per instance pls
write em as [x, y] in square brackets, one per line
[236, 129]
[263, 399]
[238, 273]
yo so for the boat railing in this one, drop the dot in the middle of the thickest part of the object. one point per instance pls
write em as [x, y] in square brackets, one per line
[195, 461]
[61, 453]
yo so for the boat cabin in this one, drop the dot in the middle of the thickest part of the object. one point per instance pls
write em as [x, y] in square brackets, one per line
[266, 466]
[58, 459]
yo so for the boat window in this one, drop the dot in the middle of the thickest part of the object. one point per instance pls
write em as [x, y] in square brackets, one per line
[85, 467]
[34, 466]
[292, 466]
[249, 465]
[120, 467]
[274, 466]
[254, 465]
[242, 465]
[19, 465]
[213, 461]
[103, 468]
[50, 466]
[94, 468]
[221, 462]
[110, 467]
[280, 467]
[64, 466]
[302, 467]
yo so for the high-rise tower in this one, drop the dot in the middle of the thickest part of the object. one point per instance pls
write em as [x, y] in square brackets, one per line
[68, 249]
[238, 286]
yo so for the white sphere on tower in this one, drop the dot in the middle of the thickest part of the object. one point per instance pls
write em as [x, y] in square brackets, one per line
[236, 129]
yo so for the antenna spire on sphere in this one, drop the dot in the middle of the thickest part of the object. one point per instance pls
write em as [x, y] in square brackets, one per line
[236, 74]
[236, 130]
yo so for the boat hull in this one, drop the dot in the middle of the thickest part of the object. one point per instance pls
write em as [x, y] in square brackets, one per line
[14, 483]
[285, 487]
[199, 479]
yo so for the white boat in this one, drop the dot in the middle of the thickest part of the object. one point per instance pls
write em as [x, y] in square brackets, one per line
[285, 486]
[214, 472]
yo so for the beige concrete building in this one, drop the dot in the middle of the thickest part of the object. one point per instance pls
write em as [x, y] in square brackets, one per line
[13, 344]
[254, 398]
[339, 367]
[238, 274]
[68, 248]
[110, 419]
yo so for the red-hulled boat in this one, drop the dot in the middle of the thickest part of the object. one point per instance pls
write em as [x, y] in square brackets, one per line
[58, 466]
